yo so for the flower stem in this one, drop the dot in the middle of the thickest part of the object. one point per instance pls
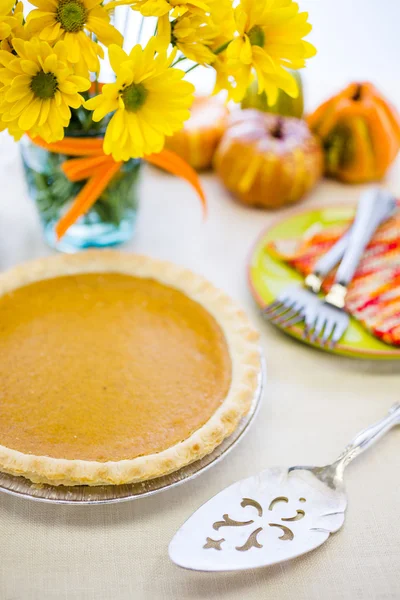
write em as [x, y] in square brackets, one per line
[178, 60]
[192, 68]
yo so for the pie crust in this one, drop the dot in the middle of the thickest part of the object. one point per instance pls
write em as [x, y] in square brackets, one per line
[242, 343]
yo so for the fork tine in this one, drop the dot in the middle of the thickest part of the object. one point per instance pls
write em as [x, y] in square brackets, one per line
[287, 317]
[297, 318]
[309, 331]
[306, 332]
[271, 311]
[295, 314]
[310, 322]
[279, 312]
[329, 329]
[270, 308]
[318, 327]
[331, 343]
[286, 309]
[320, 339]
[337, 334]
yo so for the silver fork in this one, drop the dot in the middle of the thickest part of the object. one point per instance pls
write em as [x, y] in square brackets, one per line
[291, 304]
[298, 302]
[326, 321]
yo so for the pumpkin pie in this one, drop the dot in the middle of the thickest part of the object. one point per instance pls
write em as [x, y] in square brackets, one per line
[117, 368]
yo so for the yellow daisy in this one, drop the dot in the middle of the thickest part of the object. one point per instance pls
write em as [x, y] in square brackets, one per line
[17, 29]
[158, 8]
[271, 37]
[149, 101]
[7, 19]
[222, 17]
[191, 34]
[72, 21]
[230, 76]
[38, 89]
[198, 37]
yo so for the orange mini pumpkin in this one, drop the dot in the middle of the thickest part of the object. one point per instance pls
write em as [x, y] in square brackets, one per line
[267, 160]
[360, 132]
[201, 133]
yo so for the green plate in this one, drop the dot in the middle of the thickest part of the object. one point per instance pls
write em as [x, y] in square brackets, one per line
[268, 276]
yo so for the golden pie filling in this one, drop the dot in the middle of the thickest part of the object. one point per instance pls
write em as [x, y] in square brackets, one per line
[106, 367]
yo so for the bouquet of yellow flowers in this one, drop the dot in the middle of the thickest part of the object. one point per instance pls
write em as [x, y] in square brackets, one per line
[50, 62]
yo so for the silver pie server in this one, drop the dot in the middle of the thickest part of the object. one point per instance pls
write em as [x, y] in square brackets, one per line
[274, 516]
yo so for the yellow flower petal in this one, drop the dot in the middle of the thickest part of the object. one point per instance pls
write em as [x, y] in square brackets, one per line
[46, 5]
[104, 31]
[81, 83]
[246, 54]
[50, 64]
[5, 30]
[151, 8]
[309, 49]
[58, 98]
[44, 112]
[118, 126]
[29, 117]
[117, 56]
[7, 6]
[29, 67]
[21, 104]
[67, 87]
[72, 44]
[19, 46]
[22, 80]
[51, 31]
[164, 31]
[55, 126]
[241, 18]
[89, 4]
[74, 100]
[16, 92]
[65, 111]
[94, 102]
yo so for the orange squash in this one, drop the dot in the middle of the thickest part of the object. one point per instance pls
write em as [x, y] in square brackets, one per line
[201, 133]
[360, 132]
[267, 160]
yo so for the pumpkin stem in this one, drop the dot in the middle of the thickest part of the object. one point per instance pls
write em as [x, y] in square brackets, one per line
[277, 129]
[357, 94]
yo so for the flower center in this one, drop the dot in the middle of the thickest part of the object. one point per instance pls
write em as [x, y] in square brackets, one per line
[256, 36]
[134, 96]
[72, 15]
[44, 85]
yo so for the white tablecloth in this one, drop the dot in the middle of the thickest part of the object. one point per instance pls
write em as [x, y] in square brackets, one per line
[313, 404]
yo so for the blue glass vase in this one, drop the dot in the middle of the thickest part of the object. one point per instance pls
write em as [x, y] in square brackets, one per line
[109, 222]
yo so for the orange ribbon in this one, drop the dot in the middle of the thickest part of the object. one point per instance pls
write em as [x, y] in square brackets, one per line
[99, 169]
